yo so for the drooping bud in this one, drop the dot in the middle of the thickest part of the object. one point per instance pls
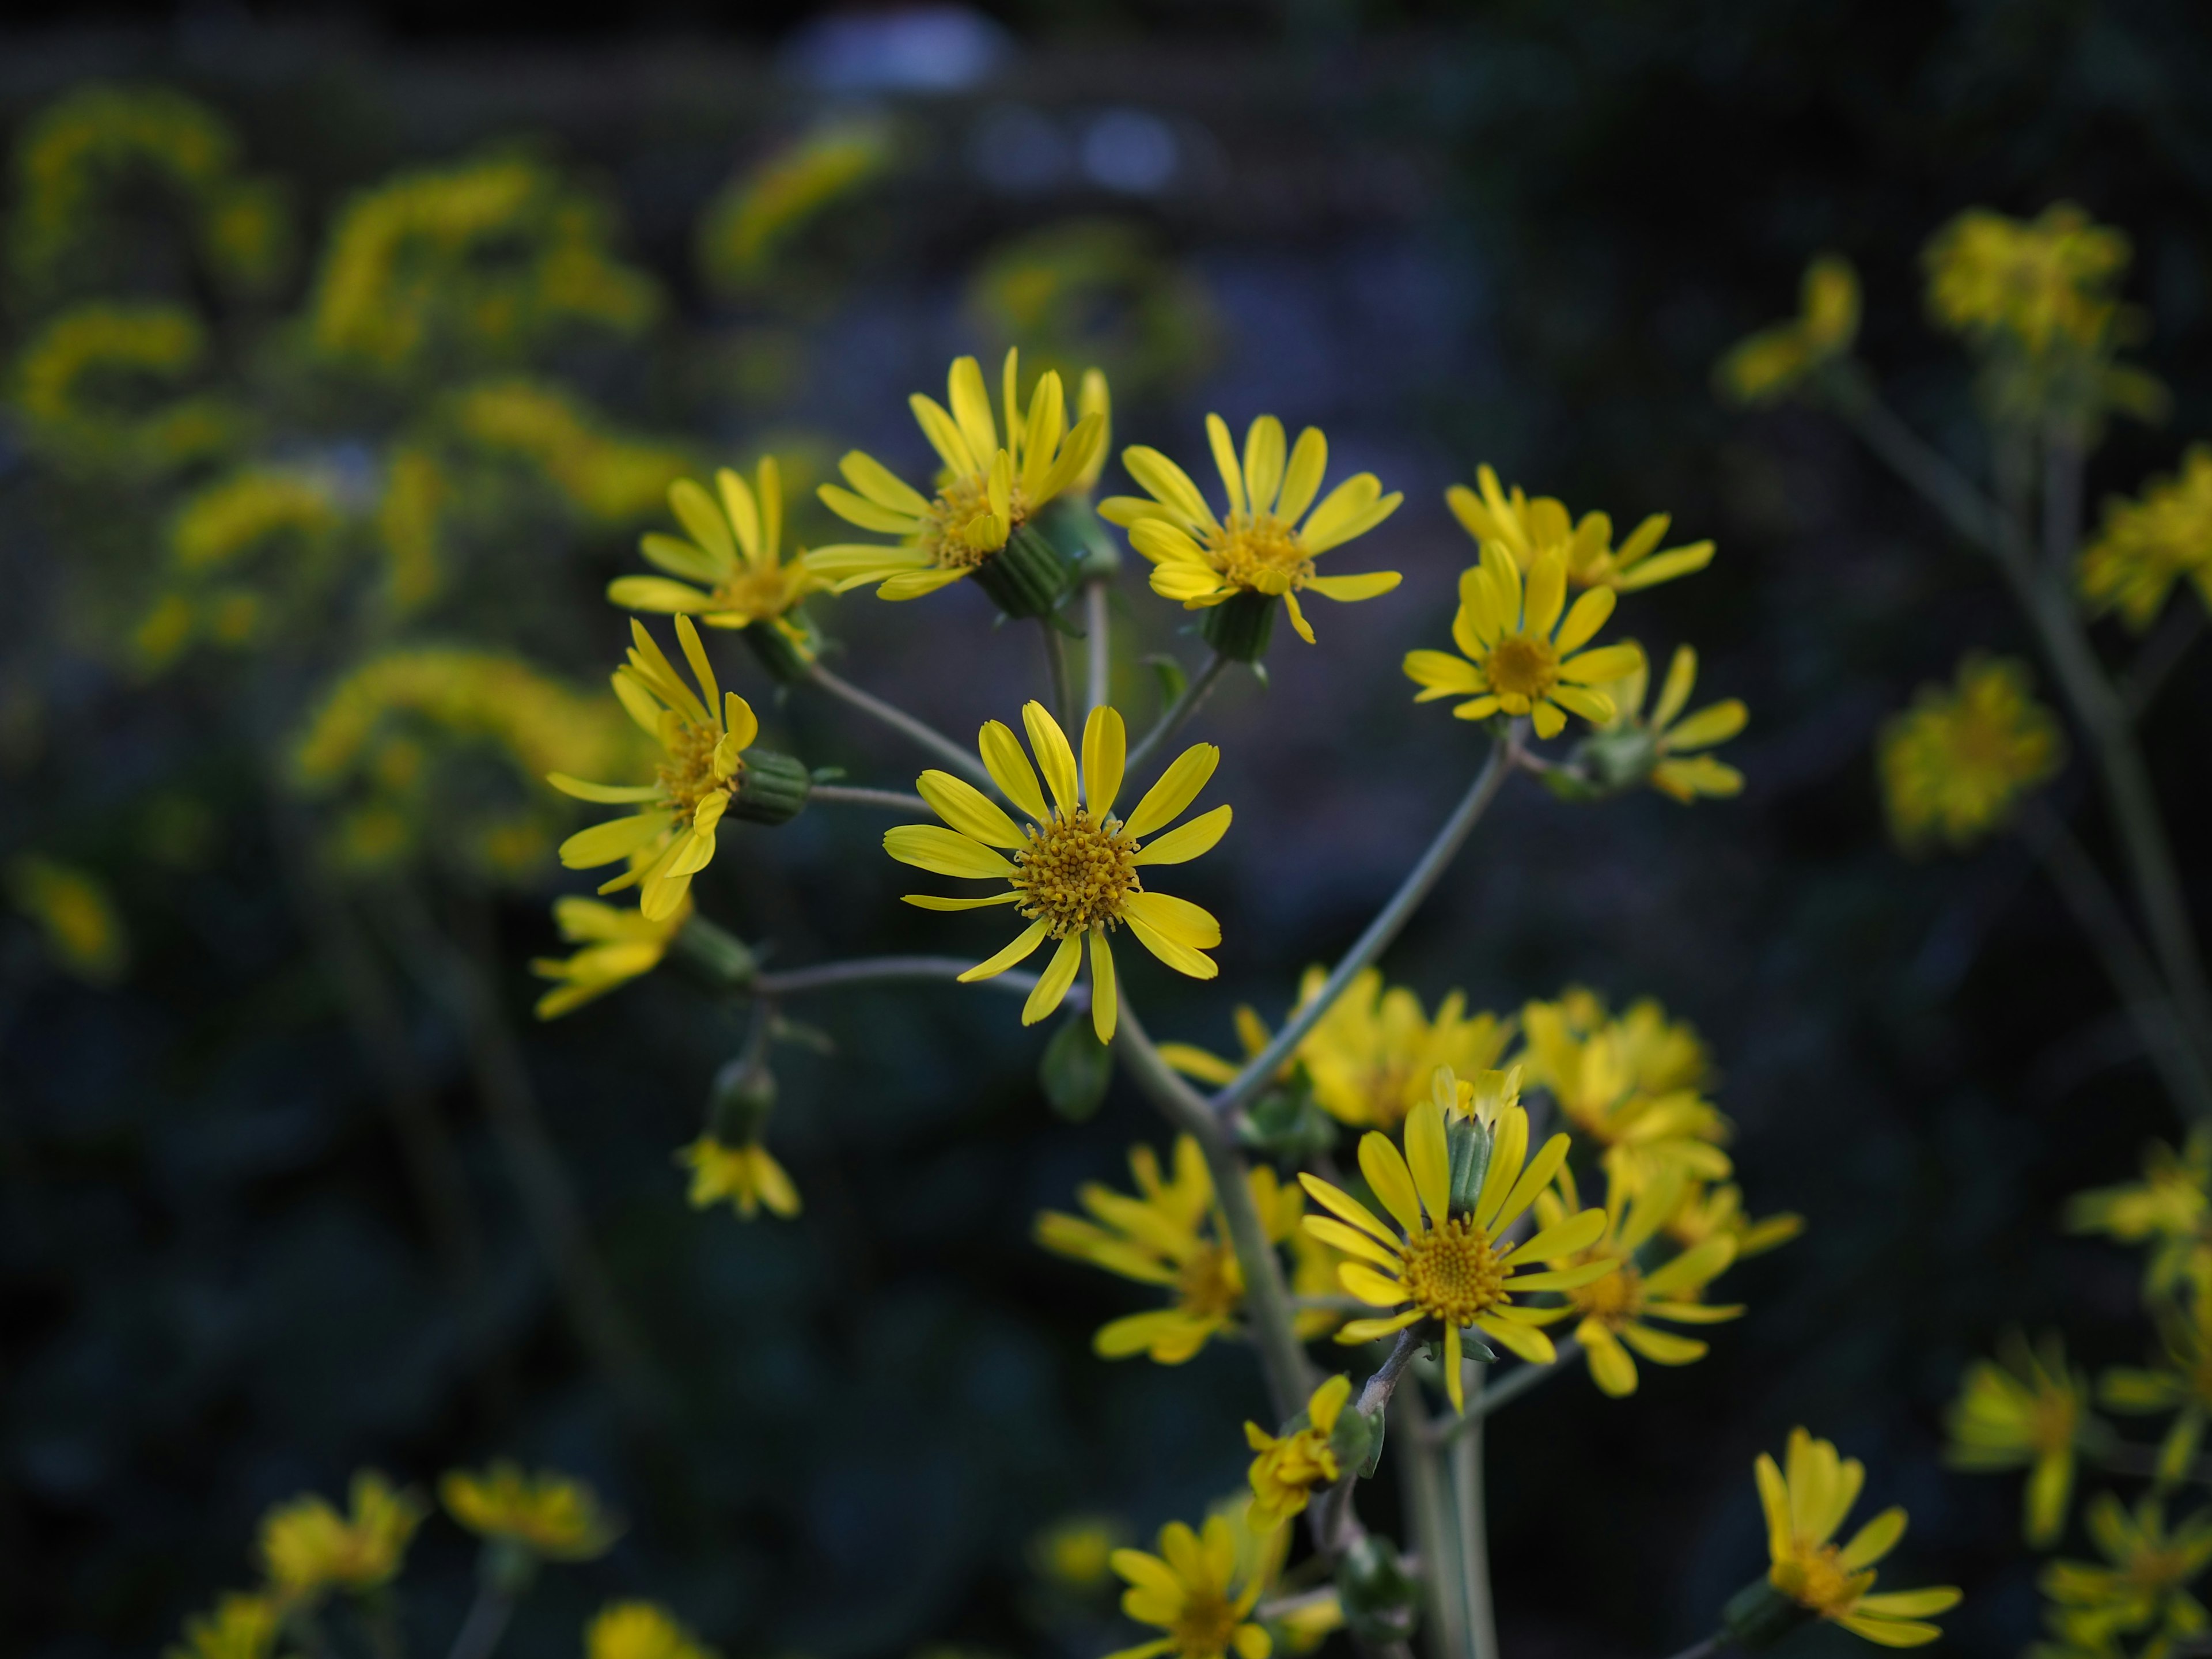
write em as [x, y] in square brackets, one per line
[743, 1095]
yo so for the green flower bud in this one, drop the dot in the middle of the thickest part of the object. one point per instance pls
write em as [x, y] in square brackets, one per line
[1758, 1615]
[1027, 577]
[1076, 1069]
[1469, 1143]
[772, 788]
[717, 959]
[743, 1095]
[1240, 627]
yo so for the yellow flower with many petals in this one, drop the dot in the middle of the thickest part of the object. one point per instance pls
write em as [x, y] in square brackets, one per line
[1956, 763]
[2145, 1584]
[1451, 1267]
[1628, 1084]
[704, 735]
[1074, 872]
[1190, 1591]
[1522, 647]
[1614, 1311]
[1803, 1508]
[1663, 751]
[553, 1515]
[1777, 361]
[240, 1627]
[1261, 549]
[1710, 1210]
[2024, 1410]
[2038, 282]
[1530, 529]
[641, 1630]
[619, 945]
[1291, 1467]
[2170, 1210]
[731, 573]
[308, 1548]
[2148, 544]
[748, 1176]
[986, 494]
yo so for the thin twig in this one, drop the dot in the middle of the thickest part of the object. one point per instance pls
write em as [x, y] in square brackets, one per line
[877, 970]
[1515, 1383]
[1705, 1649]
[928, 737]
[1469, 1508]
[1097, 659]
[1429, 1521]
[2154, 663]
[1055, 670]
[893, 800]
[1179, 711]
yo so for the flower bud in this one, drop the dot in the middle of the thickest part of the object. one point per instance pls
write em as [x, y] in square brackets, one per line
[772, 788]
[744, 1095]
[1356, 1440]
[715, 958]
[1285, 1124]
[1240, 627]
[1076, 1069]
[1469, 1141]
[1027, 577]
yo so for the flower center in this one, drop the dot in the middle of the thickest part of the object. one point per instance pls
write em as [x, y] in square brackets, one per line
[1261, 553]
[1204, 1626]
[1075, 874]
[1523, 666]
[1451, 1274]
[1615, 1299]
[1210, 1283]
[687, 772]
[2051, 1420]
[959, 534]
[1819, 1581]
[755, 594]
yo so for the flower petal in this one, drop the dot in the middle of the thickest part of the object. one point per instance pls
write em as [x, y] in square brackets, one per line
[1053, 756]
[968, 809]
[1177, 919]
[1024, 942]
[1177, 787]
[1105, 999]
[1190, 841]
[1051, 984]
[930, 846]
[1391, 1181]
[1105, 752]
[1010, 768]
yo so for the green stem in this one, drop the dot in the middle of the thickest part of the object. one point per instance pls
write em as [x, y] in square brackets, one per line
[486, 1623]
[921, 733]
[1097, 659]
[891, 800]
[1177, 711]
[878, 970]
[1429, 1520]
[1467, 1504]
[1055, 670]
[1705, 1650]
[2155, 662]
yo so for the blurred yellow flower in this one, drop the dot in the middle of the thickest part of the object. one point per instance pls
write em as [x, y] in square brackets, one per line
[1190, 1591]
[1954, 764]
[641, 1630]
[1530, 529]
[2148, 544]
[240, 1627]
[748, 1176]
[2037, 282]
[1074, 872]
[2180, 1383]
[1261, 549]
[2170, 1210]
[308, 1548]
[1666, 756]
[1075, 1553]
[1710, 1210]
[734, 556]
[753, 218]
[1803, 1509]
[2024, 1409]
[619, 945]
[2144, 1584]
[1293, 1466]
[554, 1516]
[75, 915]
[1629, 1085]
[1777, 361]
[1522, 647]
[608, 477]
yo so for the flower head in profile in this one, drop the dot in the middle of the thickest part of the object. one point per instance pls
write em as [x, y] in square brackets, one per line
[1614, 1313]
[2178, 1383]
[554, 1516]
[240, 1627]
[1074, 875]
[1190, 1591]
[308, 1548]
[1447, 1264]
[747, 1174]
[730, 572]
[1521, 647]
[2024, 1409]
[2036, 284]
[1667, 749]
[641, 1630]
[1770, 364]
[1804, 1506]
[703, 736]
[1267, 543]
[1709, 1209]
[1628, 1083]
[1528, 529]
[2169, 1210]
[2148, 544]
[1293, 1466]
[1956, 763]
[2141, 1586]
[618, 946]
[988, 491]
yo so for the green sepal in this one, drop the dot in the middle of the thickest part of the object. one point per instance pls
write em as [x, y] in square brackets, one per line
[713, 955]
[1286, 1125]
[1075, 1070]
[1469, 1143]
[1356, 1440]
[742, 1097]
[1169, 671]
[771, 789]
[1027, 577]
[1240, 627]
[1382, 1603]
[786, 660]
[1758, 1615]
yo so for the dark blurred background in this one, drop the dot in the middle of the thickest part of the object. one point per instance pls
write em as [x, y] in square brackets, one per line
[1518, 234]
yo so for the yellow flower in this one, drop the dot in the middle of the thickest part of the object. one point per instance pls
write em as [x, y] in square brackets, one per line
[1530, 529]
[1612, 1311]
[308, 1548]
[618, 946]
[1629, 1085]
[2024, 1409]
[1452, 1267]
[1261, 548]
[2148, 544]
[1074, 872]
[2181, 1383]
[2038, 283]
[1709, 1210]
[1662, 750]
[1955, 763]
[748, 1176]
[1802, 1513]
[985, 494]
[1075, 1551]
[1519, 656]
[2170, 1209]
[1777, 361]
[704, 770]
[73, 909]
[733, 556]
[240, 1627]
[1291, 1467]
[2146, 1582]
[1190, 1591]
[554, 1516]
[640, 1630]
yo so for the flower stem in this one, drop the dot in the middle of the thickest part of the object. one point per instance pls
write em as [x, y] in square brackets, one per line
[1517, 1382]
[1705, 1649]
[1097, 659]
[486, 1623]
[878, 970]
[1467, 1504]
[1180, 710]
[2147, 674]
[1429, 1520]
[1055, 670]
[928, 737]
[894, 800]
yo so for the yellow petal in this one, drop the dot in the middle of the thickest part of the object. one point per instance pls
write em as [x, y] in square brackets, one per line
[1052, 985]
[618, 838]
[1191, 841]
[928, 847]
[1177, 787]
[1104, 996]
[1105, 752]
[1024, 942]
[1428, 1159]
[1391, 1181]
[968, 809]
[1180, 957]
[1010, 768]
[1054, 758]
[971, 406]
[1263, 462]
[1225, 460]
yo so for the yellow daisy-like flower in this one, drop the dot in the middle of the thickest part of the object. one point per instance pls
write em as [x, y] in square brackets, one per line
[1530, 529]
[240, 1627]
[1956, 763]
[641, 1630]
[1074, 872]
[1522, 647]
[1190, 1591]
[1611, 1081]
[1708, 1210]
[2145, 1584]
[704, 735]
[619, 945]
[1261, 549]
[731, 573]
[2170, 1210]
[1803, 1509]
[2148, 544]
[748, 1176]
[1291, 1467]
[307, 1547]
[1446, 1265]
[2024, 1410]
[553, 1515]
[1662, 750]
[986, 494]
[1614, 1311]
[2038, 281]
[1777, 361]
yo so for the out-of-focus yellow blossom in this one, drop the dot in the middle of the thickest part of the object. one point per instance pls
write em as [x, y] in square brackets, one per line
[66, 385]
[1523, 647]
[986, 492]
[217, 526]
[1775, 362]
[1954, 764]
[2143, 1585]
[1529, 529]
[732, 553]
[641, 1630]
[1074, 875]
[757, 215]
[2148, 544]
[1262, 547]
[703, 736]
[619, 945]
[1094, 397]
[2024, 1409]
[1668, 756]
[1620, 1083]
[1803, 1508]
[308, 1548]
[409, 517]
[1612, 1311]
[1190, 1590]
[240, 1627]
[1710, 1210]
[1293, 1466]
[748, 1176]
[2170, 1210]
[606, 475]
[2038, 282]
[1075, 1553]
[1454, 1268]
[554, 1516]
[2180, 1383]
[75, 915]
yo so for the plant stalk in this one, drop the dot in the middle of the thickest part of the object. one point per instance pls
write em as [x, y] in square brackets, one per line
[1171, 721]
[919, 731]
